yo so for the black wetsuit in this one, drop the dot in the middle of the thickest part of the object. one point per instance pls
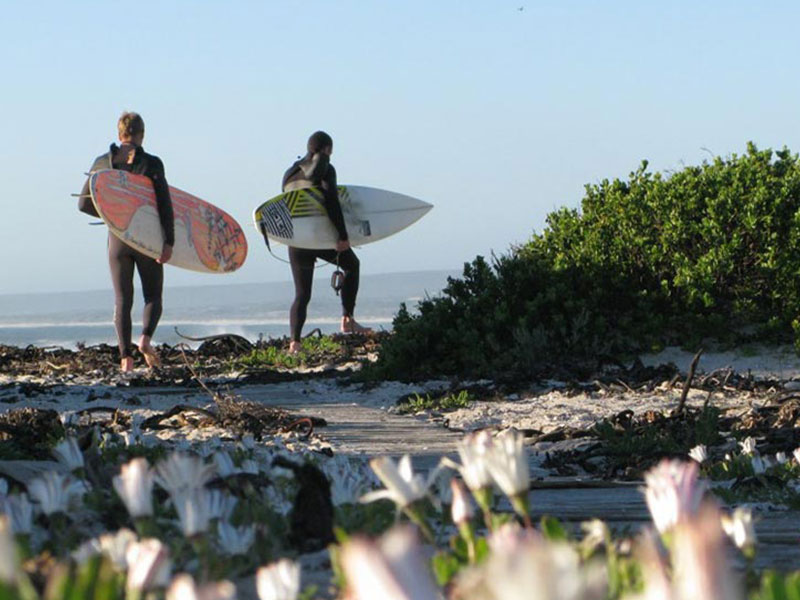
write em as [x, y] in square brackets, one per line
[122, 258]
[315, 170]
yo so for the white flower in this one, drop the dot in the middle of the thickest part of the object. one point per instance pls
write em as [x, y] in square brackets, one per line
[181, 472]
[796, 455]
[19, 511]
[759, 464]
[781, 458]
[393, 568]
[349, 479]
[68, 454]
[739, 527]
[673, 492]
[403, 487]
[8, 554]
[115, 546]
[235, 540]
[472, 449]
[749, 446]
[183, 587]
[148, 565]
[277, 500]
[224, 464]
[699, 453]
[248, 442]
[52, 491]
[192, 508]
[134, 485]
[278, 581]
[220, 505]
[462, 508]
[507, 462]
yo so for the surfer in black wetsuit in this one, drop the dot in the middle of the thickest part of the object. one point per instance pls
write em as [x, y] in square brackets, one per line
[315, 170]
[130, 156]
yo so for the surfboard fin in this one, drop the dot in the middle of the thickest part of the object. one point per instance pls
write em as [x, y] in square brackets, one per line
[81, 195]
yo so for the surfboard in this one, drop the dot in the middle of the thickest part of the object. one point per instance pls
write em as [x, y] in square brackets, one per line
[207, 239]
[299, 218]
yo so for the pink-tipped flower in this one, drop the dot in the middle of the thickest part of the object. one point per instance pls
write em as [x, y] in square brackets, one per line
[183, 587]
[134, 485]
[526, 566]
[278, 581]
[510, 538]
[148, 565]
[701, 570]
[657, 584]
[461, 508]
[672, 492]
[393, 567]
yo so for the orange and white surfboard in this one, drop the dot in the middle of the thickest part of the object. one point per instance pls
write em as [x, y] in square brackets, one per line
[207, 239]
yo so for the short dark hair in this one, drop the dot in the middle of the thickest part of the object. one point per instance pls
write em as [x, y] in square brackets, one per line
[318, 141]
[130, 124]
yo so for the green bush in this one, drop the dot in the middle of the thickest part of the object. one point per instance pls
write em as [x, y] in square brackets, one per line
[709, 251]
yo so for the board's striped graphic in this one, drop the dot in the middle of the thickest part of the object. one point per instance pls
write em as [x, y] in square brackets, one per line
[276, 217]
[305, 203]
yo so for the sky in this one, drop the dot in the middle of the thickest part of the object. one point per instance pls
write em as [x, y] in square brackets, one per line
[496, 112]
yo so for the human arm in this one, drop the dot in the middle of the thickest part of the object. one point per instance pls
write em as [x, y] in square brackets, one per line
[334, 208]
[164, 207]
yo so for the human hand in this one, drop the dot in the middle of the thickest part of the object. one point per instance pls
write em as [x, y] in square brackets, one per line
[342, 245]
[166, 254]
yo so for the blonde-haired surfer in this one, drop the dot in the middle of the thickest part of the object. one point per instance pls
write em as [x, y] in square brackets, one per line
[122, 259]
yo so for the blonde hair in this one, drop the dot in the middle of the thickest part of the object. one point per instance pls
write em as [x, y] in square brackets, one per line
[130, 124]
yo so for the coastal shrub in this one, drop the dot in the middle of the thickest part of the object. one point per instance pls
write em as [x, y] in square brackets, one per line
[710, 251]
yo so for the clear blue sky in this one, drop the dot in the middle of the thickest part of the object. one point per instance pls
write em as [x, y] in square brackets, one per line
[495, 115]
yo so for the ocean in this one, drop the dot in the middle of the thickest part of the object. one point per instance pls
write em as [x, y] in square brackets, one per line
[250, 310]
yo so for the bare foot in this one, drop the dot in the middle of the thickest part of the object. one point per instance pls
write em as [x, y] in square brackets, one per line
[126, 364]
[350, 325]
[151, 357]
[294, 347]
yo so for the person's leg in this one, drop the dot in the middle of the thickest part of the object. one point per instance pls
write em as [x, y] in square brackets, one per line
[152, 275]
[351, 266]
[302, 262]
[120, 263]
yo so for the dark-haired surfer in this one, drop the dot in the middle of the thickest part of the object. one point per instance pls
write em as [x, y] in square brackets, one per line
[130, 156]
[315, 170]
